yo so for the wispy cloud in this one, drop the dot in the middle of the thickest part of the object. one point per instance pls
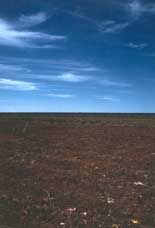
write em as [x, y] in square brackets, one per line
[66, 96]
[63, 65]
[111, 26]
[111, 83]
[72, 66]
[105, 27]
[11, 36]
[78, 14]
[69, 77]
[68, 71]
[137, 8]
[32, 20]
[137, 46]
[64, 71]
[10, 84]
[10, 68]
[109, 98]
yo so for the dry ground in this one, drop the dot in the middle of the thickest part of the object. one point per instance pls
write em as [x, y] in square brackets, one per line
[77, 171]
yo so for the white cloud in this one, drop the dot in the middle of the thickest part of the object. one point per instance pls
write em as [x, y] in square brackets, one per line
[107, 98]
[60, 95]
[72, 66]
[11, 68]
[10, 84]
[106, 27]
[65, 70]
[11, 36]
[69, 77]
[137, 46]
[109, 83]
[88, 69]
[137, 8]
[32, 20]
[78, 15]
[63, 65]
[110, 26]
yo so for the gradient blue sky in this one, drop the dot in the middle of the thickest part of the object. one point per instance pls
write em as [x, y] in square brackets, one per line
[77, 56]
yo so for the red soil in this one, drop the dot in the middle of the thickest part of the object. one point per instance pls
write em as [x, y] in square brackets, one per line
[77, 171]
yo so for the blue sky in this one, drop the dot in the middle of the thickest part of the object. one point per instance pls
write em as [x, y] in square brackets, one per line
[77, 56]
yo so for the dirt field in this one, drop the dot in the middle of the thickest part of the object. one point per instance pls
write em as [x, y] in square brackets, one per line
[77, 171]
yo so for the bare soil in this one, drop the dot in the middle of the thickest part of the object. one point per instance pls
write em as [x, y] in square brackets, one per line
[77, 171]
